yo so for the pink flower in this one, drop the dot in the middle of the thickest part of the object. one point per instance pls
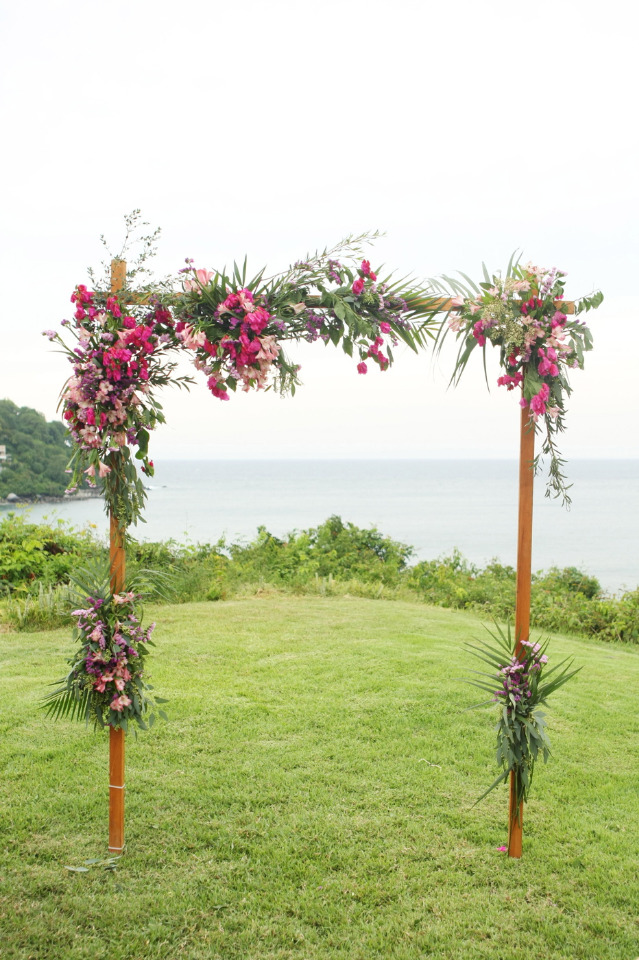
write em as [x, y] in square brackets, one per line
[366, 270]
[218, 391]
[358, 286]
[201, 279]
[457, 301]
[113, 306]
[362, 368]
[258, 319]
[537, 405]
[385, 327]
[123, 597]
[232, 302]
[119, 703]
[246, 300]
[478, 333]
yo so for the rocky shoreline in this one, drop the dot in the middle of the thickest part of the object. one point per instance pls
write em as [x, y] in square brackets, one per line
[13, 500]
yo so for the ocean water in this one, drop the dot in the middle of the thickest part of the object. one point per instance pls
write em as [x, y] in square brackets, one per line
[434, 505]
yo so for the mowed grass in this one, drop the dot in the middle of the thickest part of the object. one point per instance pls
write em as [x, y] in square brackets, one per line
[312, 797]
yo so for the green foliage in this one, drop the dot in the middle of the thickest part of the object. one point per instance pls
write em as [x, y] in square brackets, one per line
[40, 554]
[39, 452]
[335, 558]
[41, 610]
[341, 550]
[453, 581]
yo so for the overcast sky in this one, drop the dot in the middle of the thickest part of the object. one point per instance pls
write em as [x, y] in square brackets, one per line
[463, 130]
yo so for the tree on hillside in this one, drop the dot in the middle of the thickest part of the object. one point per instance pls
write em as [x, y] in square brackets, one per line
[38, 452]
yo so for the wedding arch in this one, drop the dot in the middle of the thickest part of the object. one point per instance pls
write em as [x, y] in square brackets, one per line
[235, 329]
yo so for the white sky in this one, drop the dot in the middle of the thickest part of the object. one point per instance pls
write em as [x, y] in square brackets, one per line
[463, 130]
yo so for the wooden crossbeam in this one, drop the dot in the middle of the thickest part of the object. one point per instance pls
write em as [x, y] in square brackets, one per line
[436, 304]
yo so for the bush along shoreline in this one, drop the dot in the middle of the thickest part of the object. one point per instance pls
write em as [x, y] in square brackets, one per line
[335, 558]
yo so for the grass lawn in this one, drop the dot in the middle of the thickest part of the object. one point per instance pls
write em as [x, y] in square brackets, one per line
[312, 798]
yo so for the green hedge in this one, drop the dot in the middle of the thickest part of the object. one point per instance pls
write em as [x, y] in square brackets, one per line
[335, 557]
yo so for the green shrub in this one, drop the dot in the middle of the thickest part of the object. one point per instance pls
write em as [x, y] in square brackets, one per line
[340, 549]
[46, 609]
[335, 558]
[40, 553]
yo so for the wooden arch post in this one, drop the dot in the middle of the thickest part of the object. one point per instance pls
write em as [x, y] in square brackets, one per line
[524, 567]
[117, 567]
[522, 601]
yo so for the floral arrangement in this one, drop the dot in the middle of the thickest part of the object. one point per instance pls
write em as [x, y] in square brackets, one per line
[120, 357]
[238, 328]
[538, 342]
[107, 681]
[235, 330]
[520, 682]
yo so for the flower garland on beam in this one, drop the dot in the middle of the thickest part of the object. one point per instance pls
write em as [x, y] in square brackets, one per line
[538, 342]
[235, 330]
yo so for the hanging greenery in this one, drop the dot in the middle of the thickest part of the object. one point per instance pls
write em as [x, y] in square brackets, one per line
[539, 343]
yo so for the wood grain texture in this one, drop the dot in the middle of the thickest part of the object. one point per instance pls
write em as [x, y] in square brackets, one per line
[116, 790]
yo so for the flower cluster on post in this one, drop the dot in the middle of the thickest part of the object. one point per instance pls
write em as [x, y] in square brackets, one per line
[520, 681]
[538, 341]
[107, 683]
[108, 403]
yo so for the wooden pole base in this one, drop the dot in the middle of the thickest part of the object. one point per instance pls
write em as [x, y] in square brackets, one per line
[515, 823]
[116, 791]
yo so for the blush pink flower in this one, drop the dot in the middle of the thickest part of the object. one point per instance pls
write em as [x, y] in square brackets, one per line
[201, 279]
[119, 703]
